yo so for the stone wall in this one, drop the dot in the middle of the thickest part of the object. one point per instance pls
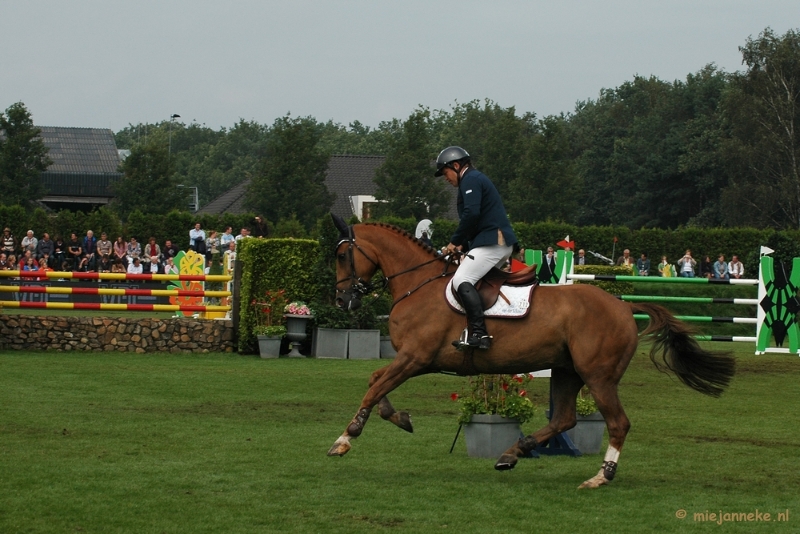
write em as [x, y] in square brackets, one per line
[121, 334]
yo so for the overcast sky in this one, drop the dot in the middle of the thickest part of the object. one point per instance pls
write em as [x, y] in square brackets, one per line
[108, 63]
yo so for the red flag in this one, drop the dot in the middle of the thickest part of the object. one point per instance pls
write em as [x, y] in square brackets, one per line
[566, 244]
[517, 266]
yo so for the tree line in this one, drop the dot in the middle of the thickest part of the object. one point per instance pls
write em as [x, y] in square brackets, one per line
[716, 149]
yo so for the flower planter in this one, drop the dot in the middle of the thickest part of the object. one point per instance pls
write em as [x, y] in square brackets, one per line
[587, 434]
[489, 436]
[387, 349]
[364, 344]
[296, 332]
[269, 346]
[329, 343]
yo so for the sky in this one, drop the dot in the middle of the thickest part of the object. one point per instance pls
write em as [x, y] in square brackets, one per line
[107, 64]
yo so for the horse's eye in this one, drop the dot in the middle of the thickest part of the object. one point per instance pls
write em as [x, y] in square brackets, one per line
[340, 257]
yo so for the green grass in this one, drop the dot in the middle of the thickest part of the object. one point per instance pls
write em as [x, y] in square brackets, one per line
[220, 443]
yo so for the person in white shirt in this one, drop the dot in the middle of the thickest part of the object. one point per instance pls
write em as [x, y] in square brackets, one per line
[135, 267]
[153, 264]
[197, 239]
[735, 267]
[29, 243]
[170, 267]
[226, 238]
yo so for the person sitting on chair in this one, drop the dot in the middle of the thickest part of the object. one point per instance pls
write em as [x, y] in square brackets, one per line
[483, 229]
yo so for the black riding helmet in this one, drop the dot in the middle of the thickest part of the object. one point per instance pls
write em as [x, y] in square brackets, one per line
[448, 156]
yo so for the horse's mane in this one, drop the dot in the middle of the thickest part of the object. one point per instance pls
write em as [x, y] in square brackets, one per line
[429, 249]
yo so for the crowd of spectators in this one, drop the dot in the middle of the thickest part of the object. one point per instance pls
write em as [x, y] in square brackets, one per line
[687, 266]
[90, 254]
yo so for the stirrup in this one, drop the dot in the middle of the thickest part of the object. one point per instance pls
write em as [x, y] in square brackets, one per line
[472, 342]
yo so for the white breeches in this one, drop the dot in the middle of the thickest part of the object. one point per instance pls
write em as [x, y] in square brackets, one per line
[478, 261]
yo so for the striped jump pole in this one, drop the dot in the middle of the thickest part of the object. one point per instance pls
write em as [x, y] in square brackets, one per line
[69, 275]
[661, 280]
[703, 319]
[110, 291]
[695, 300]
[113, 307]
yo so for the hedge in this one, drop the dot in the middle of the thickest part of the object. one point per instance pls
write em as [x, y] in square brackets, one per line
[273, 264]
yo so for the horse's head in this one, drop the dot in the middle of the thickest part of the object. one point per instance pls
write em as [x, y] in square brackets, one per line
[355, 265]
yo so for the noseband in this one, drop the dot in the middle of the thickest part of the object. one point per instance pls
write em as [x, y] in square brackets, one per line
[351, 297]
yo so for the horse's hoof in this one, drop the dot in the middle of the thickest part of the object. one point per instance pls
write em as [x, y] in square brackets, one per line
[403, 420]
[340, 447]
[594, 482]
[506, 462]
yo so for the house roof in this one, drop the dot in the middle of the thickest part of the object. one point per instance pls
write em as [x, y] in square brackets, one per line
[346, 176]
[80, 150]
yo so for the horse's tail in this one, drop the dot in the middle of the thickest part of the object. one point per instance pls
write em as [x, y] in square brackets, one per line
[702, 370]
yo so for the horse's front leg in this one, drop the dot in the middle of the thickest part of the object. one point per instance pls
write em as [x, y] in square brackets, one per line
[383, 382]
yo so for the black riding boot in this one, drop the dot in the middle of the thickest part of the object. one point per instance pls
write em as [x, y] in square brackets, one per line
[478, 337]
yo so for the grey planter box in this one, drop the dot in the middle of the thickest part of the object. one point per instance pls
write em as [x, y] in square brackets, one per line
[364, 344]
[269, 346]
[489, 436]
[587, 434]
[329, 343]
[387, 350]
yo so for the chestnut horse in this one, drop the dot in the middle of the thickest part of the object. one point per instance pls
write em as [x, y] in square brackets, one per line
[582, 333]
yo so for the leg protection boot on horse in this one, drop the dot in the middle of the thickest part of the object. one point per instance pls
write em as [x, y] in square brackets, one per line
[478, 337]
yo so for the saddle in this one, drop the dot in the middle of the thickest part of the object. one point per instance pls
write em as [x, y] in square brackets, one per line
[489, 286]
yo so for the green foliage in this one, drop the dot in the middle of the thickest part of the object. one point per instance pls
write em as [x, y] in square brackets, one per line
[503, 395]
[23, 157]
[405, 181]
[270, 331]
[148, 184]
[270, 265]
[584, 403]
[291, 180]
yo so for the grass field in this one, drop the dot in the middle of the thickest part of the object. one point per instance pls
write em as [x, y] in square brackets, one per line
[221, 443]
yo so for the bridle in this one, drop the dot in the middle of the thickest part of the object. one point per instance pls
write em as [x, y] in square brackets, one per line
[350, 298]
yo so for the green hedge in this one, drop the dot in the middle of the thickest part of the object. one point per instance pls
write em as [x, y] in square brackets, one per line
[273, 264]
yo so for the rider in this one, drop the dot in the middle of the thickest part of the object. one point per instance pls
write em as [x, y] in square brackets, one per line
[483, 229]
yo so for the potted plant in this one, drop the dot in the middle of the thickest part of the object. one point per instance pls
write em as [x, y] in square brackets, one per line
[587, 434]
[269, 327]
[297, 314]
[492, 412]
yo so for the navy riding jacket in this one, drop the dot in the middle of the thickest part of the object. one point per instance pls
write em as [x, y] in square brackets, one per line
[481, 213]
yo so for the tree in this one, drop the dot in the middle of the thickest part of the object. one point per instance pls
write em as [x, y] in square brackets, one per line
[148, 184]
[291, 181]
[405, 180]
[23, 157]
[763, 149]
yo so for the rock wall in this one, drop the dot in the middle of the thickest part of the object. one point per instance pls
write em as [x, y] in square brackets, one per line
[121, 334]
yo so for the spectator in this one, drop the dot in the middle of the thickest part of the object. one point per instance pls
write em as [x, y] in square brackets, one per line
[665, 268]
[226, 237]
[212, 244]
[154, 266]
[425, 239]
[625, 260]
[104, 246]
[74, 252]
[29, 243]
[721, 269]
[120, 249]
[45, 262]
[44, 247]
[548, 269]
[735, 267]
[9, 244]
[30, 263]
[11, 261]
[687, 264]
[643, 265]
[133, 250]
[197, 239]
[135, 266]
[23, 260]
[706, 268]
[170, 267]
[230, 256]
[152, 250]
[244, 233]
[59, 253]
[580, 259]
[90, 251]
[260, 228]
[117, 266]
[105, 264]
[170, 249]
[3, 262]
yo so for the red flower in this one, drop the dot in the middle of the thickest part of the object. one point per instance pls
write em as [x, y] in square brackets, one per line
[454, 396]
[505, 386]
[522, 393]
[518, 378]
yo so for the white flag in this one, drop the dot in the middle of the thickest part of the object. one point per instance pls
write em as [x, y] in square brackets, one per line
[766, 250]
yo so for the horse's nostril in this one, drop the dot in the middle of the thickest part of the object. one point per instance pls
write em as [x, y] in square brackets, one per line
[339, 303]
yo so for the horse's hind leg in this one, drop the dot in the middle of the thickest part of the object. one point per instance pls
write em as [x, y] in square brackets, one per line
[564, 385]
[618, 425]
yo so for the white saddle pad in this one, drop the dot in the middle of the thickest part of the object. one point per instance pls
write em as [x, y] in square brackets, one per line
[518, 296]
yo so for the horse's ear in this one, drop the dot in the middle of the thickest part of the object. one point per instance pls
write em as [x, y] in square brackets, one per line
[340, 225]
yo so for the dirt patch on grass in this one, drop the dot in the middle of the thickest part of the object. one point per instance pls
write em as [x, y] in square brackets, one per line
[768, 367]
[749, 441]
